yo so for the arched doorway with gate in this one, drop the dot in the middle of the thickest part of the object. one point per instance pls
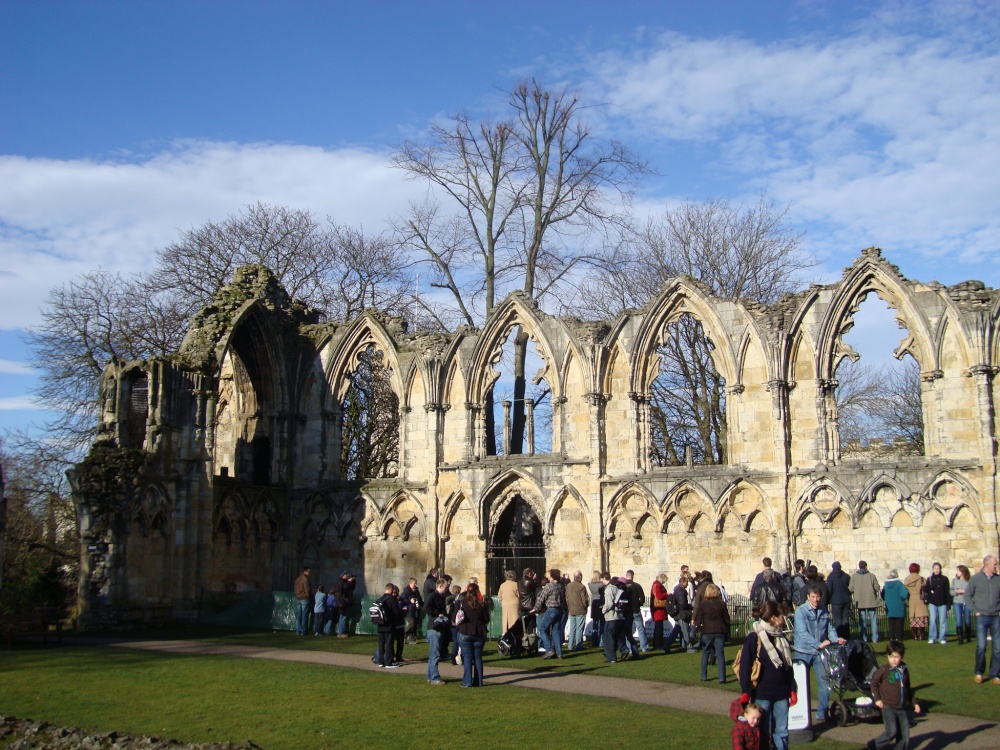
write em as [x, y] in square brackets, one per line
[516, 542]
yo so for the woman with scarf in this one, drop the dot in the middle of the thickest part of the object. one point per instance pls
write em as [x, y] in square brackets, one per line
[775, 690]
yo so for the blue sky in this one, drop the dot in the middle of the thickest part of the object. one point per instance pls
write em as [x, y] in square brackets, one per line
[122, 123]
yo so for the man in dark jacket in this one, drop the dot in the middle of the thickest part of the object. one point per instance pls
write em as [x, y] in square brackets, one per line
[983, 593]
[838, 586]
[527, 589]
[438, 633]
[303, 601]
[637, 598]
[390, 609]
[412, 604]
[345, 598]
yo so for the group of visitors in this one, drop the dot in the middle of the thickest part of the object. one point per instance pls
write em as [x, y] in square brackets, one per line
[330, 607]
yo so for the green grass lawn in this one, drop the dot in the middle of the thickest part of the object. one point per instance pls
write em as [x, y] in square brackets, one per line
[299, 706]
[941, 675]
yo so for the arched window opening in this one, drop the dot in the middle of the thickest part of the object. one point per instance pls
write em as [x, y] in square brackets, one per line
[687, 409]
[879, 410]
[522, 423]
[516, 542]
[370, 411]
[136, 411]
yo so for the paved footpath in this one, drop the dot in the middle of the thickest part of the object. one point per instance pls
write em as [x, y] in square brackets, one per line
[932, 732]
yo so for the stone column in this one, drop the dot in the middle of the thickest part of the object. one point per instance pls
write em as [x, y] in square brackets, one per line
[506, 428]
[529, 425]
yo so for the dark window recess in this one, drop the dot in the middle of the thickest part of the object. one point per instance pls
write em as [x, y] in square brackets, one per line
[261, 448]
[137, 412]
[515, 544]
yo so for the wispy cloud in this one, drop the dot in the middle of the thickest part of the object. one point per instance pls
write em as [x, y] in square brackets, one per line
[19, 403]
[7, 367]
[59, 218]
[883, 135]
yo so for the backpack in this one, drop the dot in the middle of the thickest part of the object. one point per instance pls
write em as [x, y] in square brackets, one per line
[377, 612]
[623, 607]
[672, 609]
[754, 669]
[798, 590]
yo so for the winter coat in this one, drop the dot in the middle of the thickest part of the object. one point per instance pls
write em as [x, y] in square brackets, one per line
[712, 617]
[576, 598]
[914, 582]
[984, 594]
[892, 686]
[657, 591]
[510, 603]
[477, 619]
[839, 585]
[683, 603]
[865, 589]
[895, 594]
[775, 683]
[937, 591]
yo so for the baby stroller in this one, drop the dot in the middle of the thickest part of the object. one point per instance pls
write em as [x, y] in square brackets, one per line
[849, 669]
[512, 643]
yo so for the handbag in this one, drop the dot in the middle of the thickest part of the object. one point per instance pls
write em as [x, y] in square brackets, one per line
[659, 603]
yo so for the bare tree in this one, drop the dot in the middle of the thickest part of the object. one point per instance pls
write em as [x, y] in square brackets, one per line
[525, 194]
[738, 252]
[370, 442]
[100, 315]
[880, 403]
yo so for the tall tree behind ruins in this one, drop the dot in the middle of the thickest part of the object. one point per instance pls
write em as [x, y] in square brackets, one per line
[516, 202]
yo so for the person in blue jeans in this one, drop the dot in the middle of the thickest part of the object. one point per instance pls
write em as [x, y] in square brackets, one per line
[983, 593]
[302, 590]
[711, 617]
[438, 629]
[472, 631]
[815, 631]
[776, 689]
[551, 602]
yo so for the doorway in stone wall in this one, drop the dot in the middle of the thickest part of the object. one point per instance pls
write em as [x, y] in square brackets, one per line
[516, 542]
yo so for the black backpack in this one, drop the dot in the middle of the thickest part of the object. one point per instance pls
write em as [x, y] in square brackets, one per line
[672, 609]
[623, 607]
[798, 590]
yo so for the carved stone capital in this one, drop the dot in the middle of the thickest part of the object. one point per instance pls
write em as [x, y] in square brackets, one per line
[929, 376]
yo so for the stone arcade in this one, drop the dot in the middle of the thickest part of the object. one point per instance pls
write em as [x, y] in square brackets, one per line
[240, 438]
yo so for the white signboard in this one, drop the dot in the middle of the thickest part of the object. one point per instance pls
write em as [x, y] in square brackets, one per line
[798, 715]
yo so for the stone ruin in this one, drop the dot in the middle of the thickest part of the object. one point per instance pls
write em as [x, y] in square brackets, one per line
[238, 438]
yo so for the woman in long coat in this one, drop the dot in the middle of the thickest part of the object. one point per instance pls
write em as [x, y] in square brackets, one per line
[919, 614]
[509, 600]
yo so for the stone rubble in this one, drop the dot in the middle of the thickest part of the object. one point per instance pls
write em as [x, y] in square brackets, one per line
[26, 734]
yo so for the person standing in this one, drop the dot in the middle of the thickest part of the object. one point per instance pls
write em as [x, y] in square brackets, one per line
[302, 589]
[319, 610]
[551, 603]
[510, 600]
[614, 623]
[960, 604]
[637, 597]
[865, 590]
[660, 601]
[711, 617]
[937, 593]
[596, 591]
[919, 613]
[412, 604]
[775, 690]
[814, 631]
[839, 586]
[895, 595]
[472, 632]
[577, 601]
[983, 592]
[345, 600]
[685, 610]
[386, 628]
[438, 629]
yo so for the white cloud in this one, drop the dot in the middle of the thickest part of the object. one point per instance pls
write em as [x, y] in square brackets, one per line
[59, 218]
[8, 367]
[20, 403]
[882, 136]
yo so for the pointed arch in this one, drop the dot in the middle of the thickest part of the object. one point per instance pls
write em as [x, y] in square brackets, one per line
[949, 492]
[745, 500]
[825, 498]
[687, 502]
[367, 330]
[564, 492]
[628, 510]
[515, 310]
[884, 496]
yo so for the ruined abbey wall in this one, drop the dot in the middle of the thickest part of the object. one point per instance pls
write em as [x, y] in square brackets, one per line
[242, 436]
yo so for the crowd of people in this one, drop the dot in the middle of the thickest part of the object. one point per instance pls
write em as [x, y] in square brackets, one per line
[795, 616]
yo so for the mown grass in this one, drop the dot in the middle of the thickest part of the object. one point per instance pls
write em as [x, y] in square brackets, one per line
[300, 706]
[940, 675]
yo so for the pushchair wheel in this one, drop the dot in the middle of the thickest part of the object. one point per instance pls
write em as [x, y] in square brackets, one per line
[838, 712]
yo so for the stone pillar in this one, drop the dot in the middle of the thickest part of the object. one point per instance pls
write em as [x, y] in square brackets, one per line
[640, 421]
[529, 425]
[829, 419]
[506, 428]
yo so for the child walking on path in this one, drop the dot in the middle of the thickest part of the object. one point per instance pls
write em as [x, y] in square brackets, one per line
[892, 693]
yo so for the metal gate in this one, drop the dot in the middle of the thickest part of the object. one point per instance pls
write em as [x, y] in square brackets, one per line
[516, 542]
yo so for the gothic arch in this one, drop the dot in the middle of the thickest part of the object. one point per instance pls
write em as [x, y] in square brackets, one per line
[688, 501]
[452, 505]
[367, 330]
[502, 490]
[884, 496]
[633, 504]
[151, 510]
[406, 518]
[824, 498]
[949, 492]
[567, 490]
[872, 274]
[681, 295]
[745, 501]
[515, 310]
[256, 342]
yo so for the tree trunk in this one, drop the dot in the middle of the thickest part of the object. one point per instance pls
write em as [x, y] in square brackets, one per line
[520, 388]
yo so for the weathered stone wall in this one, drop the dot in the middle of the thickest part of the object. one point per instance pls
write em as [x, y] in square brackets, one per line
[243, 482]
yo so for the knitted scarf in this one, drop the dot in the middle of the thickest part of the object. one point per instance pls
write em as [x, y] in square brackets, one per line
[774, 642]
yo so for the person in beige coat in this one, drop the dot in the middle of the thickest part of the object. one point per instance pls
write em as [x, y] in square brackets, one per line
[509, 601]
[919, 613]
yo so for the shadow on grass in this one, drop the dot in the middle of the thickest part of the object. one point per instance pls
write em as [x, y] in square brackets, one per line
[938, 740]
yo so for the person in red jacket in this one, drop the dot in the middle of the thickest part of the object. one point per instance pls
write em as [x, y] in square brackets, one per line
[746, 727]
